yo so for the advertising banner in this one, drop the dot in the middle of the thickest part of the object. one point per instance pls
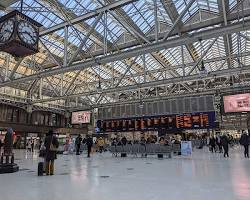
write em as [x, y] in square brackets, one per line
[186, 148]
[81, 117]
[237, 103]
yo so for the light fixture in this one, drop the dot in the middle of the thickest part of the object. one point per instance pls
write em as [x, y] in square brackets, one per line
[99, 87]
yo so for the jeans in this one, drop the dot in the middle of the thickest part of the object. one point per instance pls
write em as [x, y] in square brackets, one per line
[225, 147]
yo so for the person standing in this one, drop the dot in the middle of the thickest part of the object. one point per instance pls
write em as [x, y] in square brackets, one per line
[218, 142]
[124, 140]
[212, 143]
[78, 144]
[244, 141]
[51, 144]
[1, 144]
[29, 145]
[101, 143]
[89, 142]
[225, 145]
[32, 145]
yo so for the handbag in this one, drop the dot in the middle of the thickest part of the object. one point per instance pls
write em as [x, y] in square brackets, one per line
[52, 147]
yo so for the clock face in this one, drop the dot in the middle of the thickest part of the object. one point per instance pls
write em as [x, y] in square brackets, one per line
[6, 30]
[27, 33]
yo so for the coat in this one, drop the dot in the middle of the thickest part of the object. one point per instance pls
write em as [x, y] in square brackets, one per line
[224, 140]
[89, 142]
[50, 155]
[212, 141]
[100, 142]
[244, 140]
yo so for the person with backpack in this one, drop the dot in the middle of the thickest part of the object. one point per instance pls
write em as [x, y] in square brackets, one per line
[51, 144]
[244, 141]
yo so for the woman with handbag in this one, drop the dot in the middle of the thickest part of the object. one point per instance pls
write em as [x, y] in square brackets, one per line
[51, 143]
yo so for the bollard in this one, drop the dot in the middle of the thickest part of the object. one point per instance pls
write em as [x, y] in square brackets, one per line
[7, 159]
[12, 159]
[1, 162]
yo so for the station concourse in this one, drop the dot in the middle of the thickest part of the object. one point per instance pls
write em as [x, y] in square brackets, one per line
[124, 99]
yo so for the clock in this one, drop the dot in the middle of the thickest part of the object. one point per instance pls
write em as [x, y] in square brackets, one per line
[27, 33]
[6, 30]
[19, 34]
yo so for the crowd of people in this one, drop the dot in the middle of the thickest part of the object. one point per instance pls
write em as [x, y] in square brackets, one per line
[221, 143]
[152, 139]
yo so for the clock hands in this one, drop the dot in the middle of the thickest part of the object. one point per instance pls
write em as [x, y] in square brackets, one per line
[27, 33]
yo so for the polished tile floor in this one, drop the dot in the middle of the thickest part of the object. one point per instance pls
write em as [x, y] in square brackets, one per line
[204, 176]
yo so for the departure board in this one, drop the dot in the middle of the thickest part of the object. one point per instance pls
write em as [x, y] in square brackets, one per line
[204, 120]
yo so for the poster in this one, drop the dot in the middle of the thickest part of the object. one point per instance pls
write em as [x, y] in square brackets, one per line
[186, 148]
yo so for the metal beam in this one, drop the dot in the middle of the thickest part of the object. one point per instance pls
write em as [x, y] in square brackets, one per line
[214, 74]
[15, 68]
[202, 56]
[178, 19]
[85, 39]
[89, 15]
[223, 6]
[186, 29]
[172, 12]
[153, 47]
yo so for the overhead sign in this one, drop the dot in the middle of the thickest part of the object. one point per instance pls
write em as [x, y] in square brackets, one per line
[237, 103]
[81, 117]
[202, 120]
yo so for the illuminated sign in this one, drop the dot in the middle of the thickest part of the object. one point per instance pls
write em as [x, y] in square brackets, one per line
[202, 120]
[81, 117]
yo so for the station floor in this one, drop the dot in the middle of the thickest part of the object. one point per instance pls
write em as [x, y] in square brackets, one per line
[204, 176]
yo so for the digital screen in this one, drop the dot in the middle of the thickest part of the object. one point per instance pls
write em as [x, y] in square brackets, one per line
[81, 117]
[203, 120]
[237, 103]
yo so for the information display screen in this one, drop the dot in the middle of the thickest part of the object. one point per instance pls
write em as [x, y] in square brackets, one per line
[203, 120]
[81, 117]
[237, 103]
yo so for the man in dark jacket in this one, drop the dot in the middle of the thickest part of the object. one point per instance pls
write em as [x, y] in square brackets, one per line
[51, 144]
[225, 145]
[244, 141]
[89, 143]
[212, 143]
[78, 144]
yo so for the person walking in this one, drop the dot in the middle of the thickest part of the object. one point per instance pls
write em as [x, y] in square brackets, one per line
[225, 145]
[89, 142]
[78, 144]
[244, 141]
[51, 144]
[212, 143]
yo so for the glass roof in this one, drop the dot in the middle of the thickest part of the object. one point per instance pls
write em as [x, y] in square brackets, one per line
[131, 23]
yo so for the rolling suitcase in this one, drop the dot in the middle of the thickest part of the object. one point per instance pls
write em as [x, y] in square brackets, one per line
[40, 169]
